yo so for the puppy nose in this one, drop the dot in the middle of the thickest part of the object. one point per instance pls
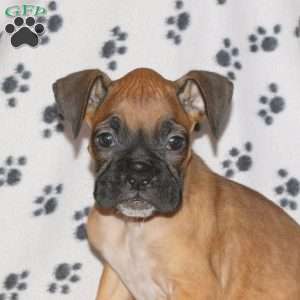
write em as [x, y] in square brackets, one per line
[139, 181]
[142, 181]
[140, 175]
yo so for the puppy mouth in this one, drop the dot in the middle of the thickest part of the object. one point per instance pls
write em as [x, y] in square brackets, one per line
[136, 207]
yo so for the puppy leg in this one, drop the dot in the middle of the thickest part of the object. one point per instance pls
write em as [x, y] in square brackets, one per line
[111, 287]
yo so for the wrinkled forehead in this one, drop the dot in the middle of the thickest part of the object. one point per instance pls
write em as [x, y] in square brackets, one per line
[143, 99]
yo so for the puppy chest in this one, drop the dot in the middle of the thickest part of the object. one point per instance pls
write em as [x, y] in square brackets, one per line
[135, 266]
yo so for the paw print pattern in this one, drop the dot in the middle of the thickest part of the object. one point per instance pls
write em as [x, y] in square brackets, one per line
[228, 58]
[10, 173]
[274, 104]
[238, 161]
[178, 23]
[64, 276]
[53, 120]
[114, 46]
[13, 285]
[15, 83]
[260, 40]
[47, 202]
[288, 191]
[53, 21]
[24, 33]
[80, 217]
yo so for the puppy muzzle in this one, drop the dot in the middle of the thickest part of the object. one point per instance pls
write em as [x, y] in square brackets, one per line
[138, 189]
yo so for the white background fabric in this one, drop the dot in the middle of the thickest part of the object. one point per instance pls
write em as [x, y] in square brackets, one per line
[44, 253]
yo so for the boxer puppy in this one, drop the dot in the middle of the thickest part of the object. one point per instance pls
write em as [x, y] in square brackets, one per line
[165, 225]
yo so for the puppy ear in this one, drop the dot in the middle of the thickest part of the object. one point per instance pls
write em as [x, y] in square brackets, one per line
[206, 92]
[79, 94]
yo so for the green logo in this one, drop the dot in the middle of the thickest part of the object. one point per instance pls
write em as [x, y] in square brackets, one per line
[25, 10]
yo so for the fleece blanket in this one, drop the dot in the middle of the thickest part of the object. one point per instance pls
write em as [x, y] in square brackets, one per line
[46, 181]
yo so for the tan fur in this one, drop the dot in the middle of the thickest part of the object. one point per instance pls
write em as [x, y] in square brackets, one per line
[227, 242]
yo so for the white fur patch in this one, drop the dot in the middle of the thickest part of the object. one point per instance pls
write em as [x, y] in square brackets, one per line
[136, 213]
[134, 264]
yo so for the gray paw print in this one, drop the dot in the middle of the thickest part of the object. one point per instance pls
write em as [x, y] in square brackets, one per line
[48, 201]
[297, 29]
[53, 22]
[80, 217]
[228, 57]
[114, 46]
[13, 285]
[238, 161]
[178, 23]
[64, 276]
[10, 173]
[221, 2]
[16, 83]
[274, 104]
[261, 39]
[53, 120]
[288, 191]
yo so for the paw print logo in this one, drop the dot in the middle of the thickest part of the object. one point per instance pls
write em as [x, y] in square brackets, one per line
[274, 104]
[238, 161]
[288, 191]
[53, 22]
[10, 173]
[260, 40]
[114, 46]
[47, 202]
[64, 276]
[80, 217]
[228, 58]
[13, 285]
[53, 120]
[178, 23]
[15, 83]
[24, 33]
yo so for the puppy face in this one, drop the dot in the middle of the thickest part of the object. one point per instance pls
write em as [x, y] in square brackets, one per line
[139, 172]
[141, 132]
[140, 141]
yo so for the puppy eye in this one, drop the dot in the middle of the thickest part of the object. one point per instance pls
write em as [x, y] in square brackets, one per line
[104, 139]
[175, 143]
